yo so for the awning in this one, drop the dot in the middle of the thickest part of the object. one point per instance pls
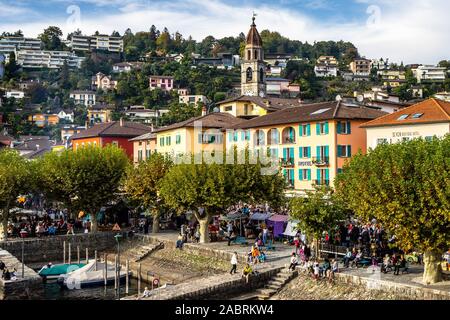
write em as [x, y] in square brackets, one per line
[279, 218]
[260, 216]
[291, 229]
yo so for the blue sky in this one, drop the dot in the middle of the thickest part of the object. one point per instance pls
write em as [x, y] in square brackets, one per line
[413, 31]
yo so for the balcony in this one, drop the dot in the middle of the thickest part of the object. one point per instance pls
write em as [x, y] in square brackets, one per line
[287, 163]
[321, 182]
[288, 140]
[321, 161]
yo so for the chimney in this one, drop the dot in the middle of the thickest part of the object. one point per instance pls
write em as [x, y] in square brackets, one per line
[204, 111]
[121, 122]
[151, 126]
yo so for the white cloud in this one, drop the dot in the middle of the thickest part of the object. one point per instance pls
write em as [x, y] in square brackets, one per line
[409, 31]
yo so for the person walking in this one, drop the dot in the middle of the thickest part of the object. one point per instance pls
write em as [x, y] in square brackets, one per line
[234, 263]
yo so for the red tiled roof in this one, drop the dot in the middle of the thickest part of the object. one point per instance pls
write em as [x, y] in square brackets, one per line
[431, 110]
[312, 112]
[114, 129]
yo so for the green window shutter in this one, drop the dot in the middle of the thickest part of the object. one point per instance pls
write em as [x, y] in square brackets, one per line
[308, 150]
[284, 154]
[285, 173]
[327, 151]
[339, 151]
[327, 174]
[349, 151]
[300, 130]
[248, 135]
[349, 127]
[326, 128]
[318, 128]
[300, 152]
[300, 174]
[243, 135]
[319, 178]
[292, 153]
[339, 127]
[308, 129]
[230, 137]
[318, 152]
[308, 173]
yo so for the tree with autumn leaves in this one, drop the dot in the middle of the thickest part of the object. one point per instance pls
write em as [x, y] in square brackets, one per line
[406, 188]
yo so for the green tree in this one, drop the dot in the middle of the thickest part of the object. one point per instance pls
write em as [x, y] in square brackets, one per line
[15, 179]
[142, 184]
[86, 179]
[406, 187]
[51, 38]
[209, 189]
[319, 211]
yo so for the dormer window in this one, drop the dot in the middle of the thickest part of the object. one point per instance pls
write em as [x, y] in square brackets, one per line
[417, 115]
[403, 117]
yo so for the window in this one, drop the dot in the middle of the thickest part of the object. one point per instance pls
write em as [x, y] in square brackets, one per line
[168, 141]
[305, 152]
[305, 130]
[344, 127]
[344, 151]
[161, 142]
[147, 153]
[229, 108]
[304, 174]
[249, 74]
[403, 117]
[428, 138]
[140, 155]
[322, 128]
[178, 139]
[417, 115]
[115, 143]
[382, 141]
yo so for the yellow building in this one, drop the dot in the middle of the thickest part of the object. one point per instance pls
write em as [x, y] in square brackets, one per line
[195, 136]
[143, 147]
[99, 114]
[393, 78]
[312, 142]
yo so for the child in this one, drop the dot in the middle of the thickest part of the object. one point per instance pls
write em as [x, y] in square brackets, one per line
[316, 270]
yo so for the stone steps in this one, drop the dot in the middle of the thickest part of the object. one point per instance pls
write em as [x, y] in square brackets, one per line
[275, 284]
[141, 252]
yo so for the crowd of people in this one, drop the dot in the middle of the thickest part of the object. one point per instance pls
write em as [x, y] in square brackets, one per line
[7, 275]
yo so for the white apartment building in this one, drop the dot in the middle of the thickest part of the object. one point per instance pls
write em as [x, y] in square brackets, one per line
[428, 73]
[47, 59]
[326, 66]
[12, 44]
[193, 99]
[98, 42]
[15, 94]
[86, 98]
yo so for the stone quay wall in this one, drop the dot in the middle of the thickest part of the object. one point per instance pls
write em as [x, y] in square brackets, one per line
[415, 292]
[215, 287]
[29, 287]
[50, 249]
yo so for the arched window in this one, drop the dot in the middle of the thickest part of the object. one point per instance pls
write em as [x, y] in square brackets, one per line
[261, 75]
[288, 135]
[256, 55]
[260, 138]
[249, 74]
[273, 137]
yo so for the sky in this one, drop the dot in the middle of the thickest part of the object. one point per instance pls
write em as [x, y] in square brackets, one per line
[409, 31]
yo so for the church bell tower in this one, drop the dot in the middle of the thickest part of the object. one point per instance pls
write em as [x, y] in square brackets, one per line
[253, 68]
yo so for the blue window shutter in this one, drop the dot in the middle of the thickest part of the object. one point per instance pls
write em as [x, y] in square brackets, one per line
[243, 135]
[327, 174]
[349, 127]
[326, 128]
[349, 151]
[248, 135]
[284, 153]
[300, 152]
[292, 174]
[300, 130]
[230, 137]
[309, 152]
[300, 174]
[339, 151]
[284, 172]
[318, 128]
[308, 129]
[291, 153]
[319, 178]
[318, 152]
[327, 151]
[308, 172]
[339, 129]
[292, 134]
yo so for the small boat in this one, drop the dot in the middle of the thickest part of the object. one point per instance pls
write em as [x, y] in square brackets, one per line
[51, 271]
[90, 275]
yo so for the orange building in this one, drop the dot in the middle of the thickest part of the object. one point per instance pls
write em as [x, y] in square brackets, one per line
[117, 132]
[42, 120]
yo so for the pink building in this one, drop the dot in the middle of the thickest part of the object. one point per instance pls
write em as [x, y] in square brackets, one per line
[165, 83]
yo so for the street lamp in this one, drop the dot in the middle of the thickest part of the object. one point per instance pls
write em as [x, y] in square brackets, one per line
[118, 237]
[23, 235]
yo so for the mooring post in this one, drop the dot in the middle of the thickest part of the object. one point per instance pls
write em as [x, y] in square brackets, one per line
[64, 252]
[70, 254]
[95, 258]
[78, 254]
[126, 277]
[87, 255]
[139, 279]
[105, 271]
[115, 272]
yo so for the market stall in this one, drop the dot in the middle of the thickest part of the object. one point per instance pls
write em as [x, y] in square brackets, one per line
[278, 222]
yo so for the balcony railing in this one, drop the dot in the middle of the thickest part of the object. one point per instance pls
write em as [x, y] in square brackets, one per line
[287, 162]
[321, 182]
[321, 161]
[290, 185]
[288, 140]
